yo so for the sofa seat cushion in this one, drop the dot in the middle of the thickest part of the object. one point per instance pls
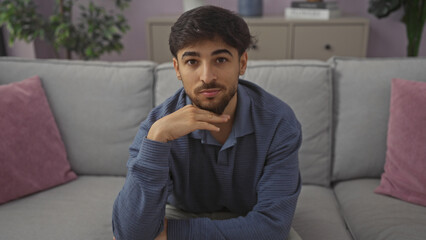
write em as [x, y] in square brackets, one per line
[98, 106]
[372, 216]
[80, 209]
[305, 86]
[317, 215]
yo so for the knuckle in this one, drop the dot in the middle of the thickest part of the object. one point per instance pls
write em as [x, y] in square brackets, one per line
[191, 109]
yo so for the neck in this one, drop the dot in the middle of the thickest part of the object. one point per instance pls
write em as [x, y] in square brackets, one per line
[232, 106]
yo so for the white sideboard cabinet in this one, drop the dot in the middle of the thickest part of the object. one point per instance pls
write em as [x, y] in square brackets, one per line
[278, 38]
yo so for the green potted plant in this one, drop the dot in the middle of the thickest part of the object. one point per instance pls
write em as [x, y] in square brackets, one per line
[414, 18]
[94, 33]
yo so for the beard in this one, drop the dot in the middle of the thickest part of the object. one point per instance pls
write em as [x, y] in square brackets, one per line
[216, 106]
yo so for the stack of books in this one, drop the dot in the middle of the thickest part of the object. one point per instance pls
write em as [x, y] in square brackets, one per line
[312, 10]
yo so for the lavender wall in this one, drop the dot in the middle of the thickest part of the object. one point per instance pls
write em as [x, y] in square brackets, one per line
[387, 36]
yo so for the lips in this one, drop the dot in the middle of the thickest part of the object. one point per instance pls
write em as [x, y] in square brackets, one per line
[210, 93]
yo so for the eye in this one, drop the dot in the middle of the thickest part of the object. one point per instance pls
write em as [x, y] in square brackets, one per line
[221, 60]
[191, 62]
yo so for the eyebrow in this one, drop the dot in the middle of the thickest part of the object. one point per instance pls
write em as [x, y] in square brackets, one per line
[190, 54]
[220, 51]
[197, 54]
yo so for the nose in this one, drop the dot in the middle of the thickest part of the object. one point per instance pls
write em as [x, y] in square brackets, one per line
[207, 73]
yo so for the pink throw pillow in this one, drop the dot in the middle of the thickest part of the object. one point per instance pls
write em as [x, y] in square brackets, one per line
[32, 154]
[405, 167]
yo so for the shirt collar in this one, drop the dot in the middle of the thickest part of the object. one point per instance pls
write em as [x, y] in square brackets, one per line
[243, 124]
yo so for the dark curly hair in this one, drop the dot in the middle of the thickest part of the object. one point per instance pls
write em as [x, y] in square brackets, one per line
[208, 22]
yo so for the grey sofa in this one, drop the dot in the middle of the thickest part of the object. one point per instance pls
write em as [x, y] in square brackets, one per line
[342, 104]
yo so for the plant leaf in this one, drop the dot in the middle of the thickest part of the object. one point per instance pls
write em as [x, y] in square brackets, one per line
[382, 8]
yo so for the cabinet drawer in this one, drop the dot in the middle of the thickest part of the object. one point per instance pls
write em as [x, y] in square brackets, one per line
[272, 42]
[323, 42]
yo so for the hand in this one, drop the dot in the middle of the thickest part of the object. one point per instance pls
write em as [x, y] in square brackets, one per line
[184, 121]
[163, 234]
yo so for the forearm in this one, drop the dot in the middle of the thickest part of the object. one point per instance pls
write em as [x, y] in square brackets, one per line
[138, 211]
[256, 225]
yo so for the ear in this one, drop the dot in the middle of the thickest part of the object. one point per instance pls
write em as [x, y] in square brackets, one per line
[176, 66]
[243, 63]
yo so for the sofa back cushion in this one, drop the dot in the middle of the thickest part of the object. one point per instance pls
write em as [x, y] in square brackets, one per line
[98, 106]
[306, 87]
[362, 99]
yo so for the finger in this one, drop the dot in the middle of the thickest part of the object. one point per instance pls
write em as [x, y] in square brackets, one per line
[212, 120]
[210, 117]
[206, 126]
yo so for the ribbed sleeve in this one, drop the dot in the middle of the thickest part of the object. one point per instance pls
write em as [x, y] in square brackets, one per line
[138, 211]
[178, 229]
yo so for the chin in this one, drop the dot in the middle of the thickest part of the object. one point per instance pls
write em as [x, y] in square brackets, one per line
[217, 108]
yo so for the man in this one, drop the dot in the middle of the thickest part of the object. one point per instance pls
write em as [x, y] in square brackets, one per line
[218, 159]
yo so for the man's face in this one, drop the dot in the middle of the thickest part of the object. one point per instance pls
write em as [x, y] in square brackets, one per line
[209, 71]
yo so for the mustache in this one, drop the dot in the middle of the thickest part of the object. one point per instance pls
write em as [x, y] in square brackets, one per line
[208, 86]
